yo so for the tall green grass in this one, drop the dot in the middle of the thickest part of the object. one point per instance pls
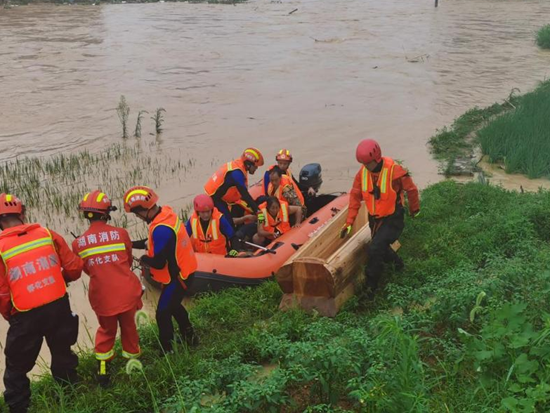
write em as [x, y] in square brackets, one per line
[543, 37]
[521, 138]
[464, 328]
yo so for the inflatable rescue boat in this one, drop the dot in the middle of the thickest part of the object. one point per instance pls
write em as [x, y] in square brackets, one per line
[217, 272]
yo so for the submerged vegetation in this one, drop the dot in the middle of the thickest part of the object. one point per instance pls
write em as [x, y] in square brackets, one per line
[543, 37]
[465, 327]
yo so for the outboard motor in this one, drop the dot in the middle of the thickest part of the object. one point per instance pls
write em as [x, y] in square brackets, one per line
[311, 177]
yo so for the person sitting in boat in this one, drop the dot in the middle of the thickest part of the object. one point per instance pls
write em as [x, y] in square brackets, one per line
[229, 185]
[274, 220]
[280, 186]
[284, 159]
[381, 183]
[209, 230]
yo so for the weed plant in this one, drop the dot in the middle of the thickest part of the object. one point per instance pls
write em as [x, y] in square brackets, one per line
[543, 37]
[158, 118]
[464, 328]
[123, 112]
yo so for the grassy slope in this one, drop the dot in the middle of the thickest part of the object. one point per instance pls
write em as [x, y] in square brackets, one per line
[419, 347]
[517, 135]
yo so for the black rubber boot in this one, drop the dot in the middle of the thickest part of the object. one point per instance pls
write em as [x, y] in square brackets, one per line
[103, 376]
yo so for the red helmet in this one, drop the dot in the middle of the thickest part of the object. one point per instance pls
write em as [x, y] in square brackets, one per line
[368, 150]
[253, 155]
[139, 196]
[284, 155]
[96, 201]
[203, 203]
[10, 204]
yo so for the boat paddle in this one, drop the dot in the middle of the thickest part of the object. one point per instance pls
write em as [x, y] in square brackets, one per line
[260, 247]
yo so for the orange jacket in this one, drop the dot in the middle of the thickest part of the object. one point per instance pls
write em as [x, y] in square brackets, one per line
[278, 193]
[51, 255]
[213, 242]
[216, 181]
[107, 255]
[185, 256]
[292, 181]
[401, 182]
[281, 223]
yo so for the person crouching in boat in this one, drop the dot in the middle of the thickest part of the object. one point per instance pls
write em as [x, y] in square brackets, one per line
[273, 220]
[171, 259]
[280, 186]
[115, 291]
[381, 183]
[229, 185]
[209, 230]
[284, 159]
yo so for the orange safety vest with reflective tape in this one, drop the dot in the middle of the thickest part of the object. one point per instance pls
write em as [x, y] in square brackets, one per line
[385, 205]
[33, 268]
[278, 193]
[213, 242]
[185, 256]
[216, 181]
[281, 223]
[292, 181]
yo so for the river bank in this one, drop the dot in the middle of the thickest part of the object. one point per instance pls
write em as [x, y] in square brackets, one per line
[455, 320]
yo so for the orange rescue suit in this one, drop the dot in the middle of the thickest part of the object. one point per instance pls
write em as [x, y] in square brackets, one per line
[232, 195]
[392, 181]
[281, 223]
[185, 256]
[291, 181]
[107, 255]
[32, 267]
[213, 242]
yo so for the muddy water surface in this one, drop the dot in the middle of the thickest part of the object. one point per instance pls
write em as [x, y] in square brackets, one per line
[315, 81]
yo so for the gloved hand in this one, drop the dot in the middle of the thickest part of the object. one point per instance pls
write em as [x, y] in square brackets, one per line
[416, 214]
[261, 217]
[233, 253]
[345, 231]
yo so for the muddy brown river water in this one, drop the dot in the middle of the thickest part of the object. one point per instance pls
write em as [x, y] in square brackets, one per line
[315, 81]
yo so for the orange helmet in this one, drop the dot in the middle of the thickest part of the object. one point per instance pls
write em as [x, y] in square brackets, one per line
[96, 201]
[203, 203]
[284, 155]
[253, 155]
[139, 196]
[10, 204]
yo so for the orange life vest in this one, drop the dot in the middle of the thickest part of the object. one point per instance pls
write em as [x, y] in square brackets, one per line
[213, 242]
[33, 268]
[216, 181]
[185, 256]
[385, 205]
[278, 193]
[281, 223]
[291, 181]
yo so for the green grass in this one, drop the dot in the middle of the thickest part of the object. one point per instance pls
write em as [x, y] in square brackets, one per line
[464, 328]
[521, 138]
[543, 37]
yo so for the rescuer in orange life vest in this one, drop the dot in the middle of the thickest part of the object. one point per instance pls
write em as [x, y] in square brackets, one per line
[35, 267]
[229, 185]
[284, 159]
[381, 183]
[274, 220]
[209, 230]
[171, 258]
[115, 291]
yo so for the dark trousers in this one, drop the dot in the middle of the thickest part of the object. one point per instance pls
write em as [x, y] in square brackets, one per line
[385, 232]
[59, 326]
[170, 306]
[224, 209]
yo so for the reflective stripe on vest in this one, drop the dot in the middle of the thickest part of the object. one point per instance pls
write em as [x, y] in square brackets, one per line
[213, 241]
[88, 252]
[384, 206]
[28, 246]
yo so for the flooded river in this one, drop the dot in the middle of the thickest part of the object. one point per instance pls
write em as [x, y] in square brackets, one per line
[315, 81]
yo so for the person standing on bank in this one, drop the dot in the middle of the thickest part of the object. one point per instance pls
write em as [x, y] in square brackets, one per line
[35, 268]
[171, 258]
[381, 184]
[115, 291]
